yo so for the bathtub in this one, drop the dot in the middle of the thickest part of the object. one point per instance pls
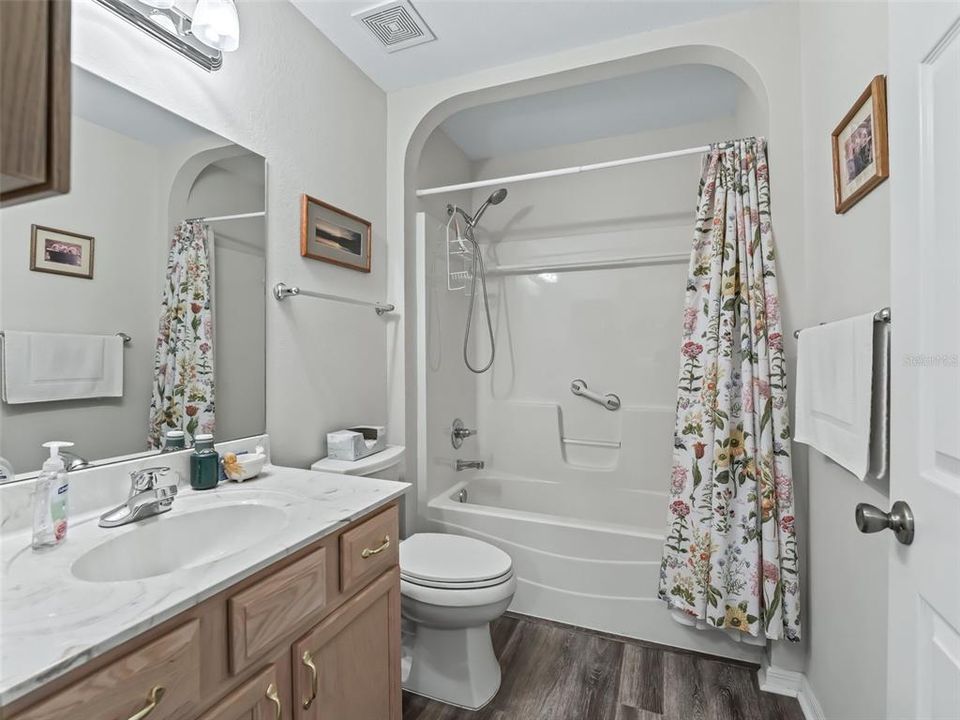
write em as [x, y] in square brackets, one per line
[583, 555]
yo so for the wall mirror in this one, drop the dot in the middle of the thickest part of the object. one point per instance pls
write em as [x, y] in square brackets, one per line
[161, 238]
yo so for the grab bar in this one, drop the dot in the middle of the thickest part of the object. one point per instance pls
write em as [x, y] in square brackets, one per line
[609, 401]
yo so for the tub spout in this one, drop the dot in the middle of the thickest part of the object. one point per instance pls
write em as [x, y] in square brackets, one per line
[469, 465]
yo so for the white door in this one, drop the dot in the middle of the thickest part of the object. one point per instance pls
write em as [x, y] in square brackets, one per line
[924, 108]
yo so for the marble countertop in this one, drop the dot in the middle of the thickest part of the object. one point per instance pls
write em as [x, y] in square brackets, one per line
[52, 622]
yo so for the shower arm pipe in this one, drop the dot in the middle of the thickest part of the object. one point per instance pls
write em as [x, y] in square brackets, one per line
[562, 171]
[281, 291]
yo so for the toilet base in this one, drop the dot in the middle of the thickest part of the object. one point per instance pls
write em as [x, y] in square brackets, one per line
[456, 666]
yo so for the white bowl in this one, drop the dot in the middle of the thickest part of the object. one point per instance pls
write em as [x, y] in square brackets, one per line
[250, 465]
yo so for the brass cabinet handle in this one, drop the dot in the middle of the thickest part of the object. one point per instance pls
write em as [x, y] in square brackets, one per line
[367, 552]
[275, 699]
[308, 661]
[153, 699]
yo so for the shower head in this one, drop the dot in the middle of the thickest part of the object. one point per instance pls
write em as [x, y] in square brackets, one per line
[496, 197]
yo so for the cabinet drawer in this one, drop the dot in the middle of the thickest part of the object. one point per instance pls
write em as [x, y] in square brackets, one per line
[369, 549]
[124, 687]
[265, 612]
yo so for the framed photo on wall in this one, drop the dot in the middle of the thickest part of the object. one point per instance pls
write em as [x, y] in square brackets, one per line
[61, 252]
[334, 236]
[860, 157]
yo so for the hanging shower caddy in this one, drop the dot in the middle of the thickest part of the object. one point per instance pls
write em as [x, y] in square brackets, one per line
[460, 259]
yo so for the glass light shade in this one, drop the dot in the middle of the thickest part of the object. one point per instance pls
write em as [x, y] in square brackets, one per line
[216, 23]
[159, 4]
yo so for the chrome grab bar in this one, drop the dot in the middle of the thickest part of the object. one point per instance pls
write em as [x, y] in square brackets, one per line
[609, 401]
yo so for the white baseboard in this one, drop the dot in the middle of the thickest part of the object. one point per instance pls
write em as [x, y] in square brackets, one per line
[792, 684]
[808, 702]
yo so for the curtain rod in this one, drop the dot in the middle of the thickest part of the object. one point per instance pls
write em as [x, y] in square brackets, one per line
[563, 171]
[238, 216]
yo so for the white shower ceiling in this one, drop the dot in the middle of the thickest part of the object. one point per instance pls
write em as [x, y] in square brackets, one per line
[476, 34]
[667, 97]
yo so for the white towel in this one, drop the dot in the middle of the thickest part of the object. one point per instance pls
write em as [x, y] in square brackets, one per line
[41, 367]
[834, 390]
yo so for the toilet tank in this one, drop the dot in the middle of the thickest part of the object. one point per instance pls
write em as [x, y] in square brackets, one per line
[386, 464]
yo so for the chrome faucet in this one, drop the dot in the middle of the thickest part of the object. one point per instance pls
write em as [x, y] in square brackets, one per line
[148, 497]
[469, 465]
[72, 461]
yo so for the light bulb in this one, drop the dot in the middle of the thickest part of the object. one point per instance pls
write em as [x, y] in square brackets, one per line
[215, 23]
[159, 4]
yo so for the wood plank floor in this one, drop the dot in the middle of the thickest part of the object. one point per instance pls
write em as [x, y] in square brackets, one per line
[556, 672]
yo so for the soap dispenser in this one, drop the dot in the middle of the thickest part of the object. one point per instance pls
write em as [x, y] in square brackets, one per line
[50, 500]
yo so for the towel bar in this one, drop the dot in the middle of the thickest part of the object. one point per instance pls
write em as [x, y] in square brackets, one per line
[122, 335]
[881, 315]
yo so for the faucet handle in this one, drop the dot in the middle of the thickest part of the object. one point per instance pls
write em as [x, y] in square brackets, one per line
[146, 478]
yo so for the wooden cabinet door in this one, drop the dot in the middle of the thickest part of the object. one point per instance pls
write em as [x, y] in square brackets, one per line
[34, 99]
[349, 665]
[263, 697]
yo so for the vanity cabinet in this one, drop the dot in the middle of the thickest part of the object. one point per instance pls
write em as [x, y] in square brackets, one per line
[34, 99]
[349, 665]
[291, 641]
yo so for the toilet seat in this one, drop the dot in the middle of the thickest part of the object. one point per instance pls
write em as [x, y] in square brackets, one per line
[463, 598]
[454, 571]
[452, 561]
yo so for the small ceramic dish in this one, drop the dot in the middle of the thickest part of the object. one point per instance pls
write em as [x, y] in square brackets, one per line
[243, 467]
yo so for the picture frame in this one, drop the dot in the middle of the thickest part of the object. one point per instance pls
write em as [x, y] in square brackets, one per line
[860, 153]
[335, 236]
[61, 252]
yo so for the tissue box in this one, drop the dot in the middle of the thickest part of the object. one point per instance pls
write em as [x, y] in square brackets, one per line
[356, 442]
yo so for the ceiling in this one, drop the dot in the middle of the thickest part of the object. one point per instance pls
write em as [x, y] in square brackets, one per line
[476, 34]
[666, 97]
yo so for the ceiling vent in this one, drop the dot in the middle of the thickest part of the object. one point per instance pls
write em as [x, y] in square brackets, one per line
[396, 24]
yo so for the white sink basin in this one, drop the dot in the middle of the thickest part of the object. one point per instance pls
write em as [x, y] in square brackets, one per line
[170, 542]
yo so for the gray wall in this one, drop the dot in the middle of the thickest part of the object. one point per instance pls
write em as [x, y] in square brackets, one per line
[847, 273]
[115, 198]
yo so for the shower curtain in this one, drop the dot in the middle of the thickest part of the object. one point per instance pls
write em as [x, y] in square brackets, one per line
[730, 558]
[183, 390]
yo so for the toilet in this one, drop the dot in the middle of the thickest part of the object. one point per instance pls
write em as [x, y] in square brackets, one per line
[451, 588]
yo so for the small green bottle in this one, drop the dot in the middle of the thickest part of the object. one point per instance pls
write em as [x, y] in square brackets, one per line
[204, 464]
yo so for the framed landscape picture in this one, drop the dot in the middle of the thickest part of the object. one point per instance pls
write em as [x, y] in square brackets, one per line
[860, 158]
[61, 252]
[334, 236]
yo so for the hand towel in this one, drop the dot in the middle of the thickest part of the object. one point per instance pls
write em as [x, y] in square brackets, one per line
[834, 390]
[42, 367]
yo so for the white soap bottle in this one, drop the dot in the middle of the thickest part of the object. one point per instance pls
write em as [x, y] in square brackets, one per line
[50, 500]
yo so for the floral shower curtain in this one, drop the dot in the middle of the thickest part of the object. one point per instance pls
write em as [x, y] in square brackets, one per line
[730, 558]
[183, 390]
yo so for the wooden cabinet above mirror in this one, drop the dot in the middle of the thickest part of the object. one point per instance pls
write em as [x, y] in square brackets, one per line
[34, 99]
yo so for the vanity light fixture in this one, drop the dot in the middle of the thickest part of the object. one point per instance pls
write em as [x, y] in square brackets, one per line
[216, 23]
[200, 30]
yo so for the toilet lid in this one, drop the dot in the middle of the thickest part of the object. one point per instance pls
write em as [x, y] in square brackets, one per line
[438, 558]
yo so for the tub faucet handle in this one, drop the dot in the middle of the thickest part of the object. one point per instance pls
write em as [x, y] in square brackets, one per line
[459, 432]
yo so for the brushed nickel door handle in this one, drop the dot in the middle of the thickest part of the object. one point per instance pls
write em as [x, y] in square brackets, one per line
[871, 519]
